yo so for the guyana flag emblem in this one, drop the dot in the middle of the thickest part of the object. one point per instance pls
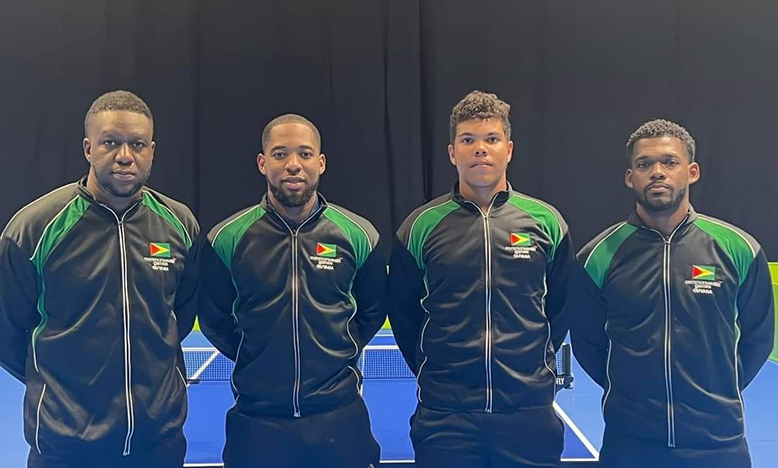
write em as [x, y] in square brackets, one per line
[520, 239]
[159, 249]
[326, 250]
[704, 272]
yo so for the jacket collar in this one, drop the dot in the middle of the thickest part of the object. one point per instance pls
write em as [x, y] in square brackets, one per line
[499, 199]
[86, 194]
[318, 209]
[635, 220]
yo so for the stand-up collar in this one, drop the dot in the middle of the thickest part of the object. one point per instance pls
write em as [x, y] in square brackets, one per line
[321, 203]
[84, 192]
[499, 198]
[635, 220]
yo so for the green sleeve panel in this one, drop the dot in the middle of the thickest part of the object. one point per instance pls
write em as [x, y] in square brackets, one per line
[544, 216]
[599, 260]
[732, 242]
[227, 238]
[164, 212]
[56, 230]
[355, 233]
[423, 226]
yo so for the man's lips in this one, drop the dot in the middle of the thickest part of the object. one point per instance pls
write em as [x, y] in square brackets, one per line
[657, 188]
[481, 164]
[293, 183]
[123, 175]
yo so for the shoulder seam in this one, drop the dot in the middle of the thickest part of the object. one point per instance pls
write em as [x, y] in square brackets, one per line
[413, 225]
[32, 203]
[751, 247]
[537, 200]
[216, 236]
[189, 236]
[367, 237]
[619, 226]
[550, 208]
[54, 218]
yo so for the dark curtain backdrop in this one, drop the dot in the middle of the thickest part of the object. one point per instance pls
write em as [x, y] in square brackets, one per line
[379, 78]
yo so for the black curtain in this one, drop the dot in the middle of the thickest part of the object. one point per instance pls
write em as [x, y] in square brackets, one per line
[379, 78]
[352, 67]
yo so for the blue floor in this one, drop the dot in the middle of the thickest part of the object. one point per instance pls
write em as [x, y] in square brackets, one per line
[761, 402]
[390, 403]
[205, 429]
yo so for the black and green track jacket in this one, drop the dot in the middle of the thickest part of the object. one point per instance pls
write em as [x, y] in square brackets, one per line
[93, 305]
[293, 306]
[673, 328]
[478, 300]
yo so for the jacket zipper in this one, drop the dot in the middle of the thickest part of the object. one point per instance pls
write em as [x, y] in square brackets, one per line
[295, 329]
[488, 288]
[126, 323]
[296, 313]
[666, 241]
[668, 346]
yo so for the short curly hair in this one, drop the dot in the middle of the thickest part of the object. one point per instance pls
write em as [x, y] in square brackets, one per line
[481, 106]
[116, 101]
[660, 128]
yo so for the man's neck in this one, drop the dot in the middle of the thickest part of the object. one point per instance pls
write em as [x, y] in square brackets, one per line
[295, 214]
[482, 196]
[665, 223]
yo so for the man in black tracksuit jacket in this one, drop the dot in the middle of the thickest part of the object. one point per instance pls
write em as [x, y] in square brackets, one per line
[478, 280]
[672, 315]
[296, 290]
[98, 285]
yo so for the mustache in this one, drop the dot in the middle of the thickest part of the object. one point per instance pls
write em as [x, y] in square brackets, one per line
[657, 184]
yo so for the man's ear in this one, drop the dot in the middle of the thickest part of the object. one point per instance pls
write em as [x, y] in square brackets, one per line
[694, 173]
[87, 145]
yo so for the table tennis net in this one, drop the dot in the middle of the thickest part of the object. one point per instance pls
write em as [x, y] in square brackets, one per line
[375, 362]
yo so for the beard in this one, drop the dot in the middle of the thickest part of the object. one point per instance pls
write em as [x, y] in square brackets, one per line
[294, 199]
[655, 205]
[110, 186]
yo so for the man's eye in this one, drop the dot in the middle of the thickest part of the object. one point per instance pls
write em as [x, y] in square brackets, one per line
[466, 140]
[492, 139]
[139, 145]
[306, 154]
[279, 154]
[109, 143]
[672, 163]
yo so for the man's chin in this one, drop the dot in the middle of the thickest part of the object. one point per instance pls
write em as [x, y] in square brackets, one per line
[482, 182]
[660, 206]
[128, 191]
[293, 199]
[294, 202]
[125, 191]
